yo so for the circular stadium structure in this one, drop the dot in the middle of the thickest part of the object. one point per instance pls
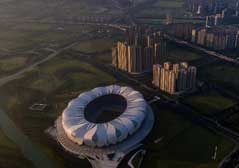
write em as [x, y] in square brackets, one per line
[106, 122]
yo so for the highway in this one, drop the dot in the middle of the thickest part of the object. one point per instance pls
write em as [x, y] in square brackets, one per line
[183, 110]
[20, 73]
[209, 52]
[29, 149]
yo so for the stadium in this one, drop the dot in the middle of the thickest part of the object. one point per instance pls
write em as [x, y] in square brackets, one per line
[104, 124]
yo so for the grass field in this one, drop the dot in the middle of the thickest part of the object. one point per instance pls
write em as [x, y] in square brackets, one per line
[105, 58]
[224, 74]
[95, 45]
[55, 83]
[170, 3]
[162, 7]
[66, 76]
[180, 54]
[209, 103]
[10, 155]
[232, 122]
[12, 64]
[182, 144]
[158, 21]
[232, 53]
[34, 9]
[32, 36]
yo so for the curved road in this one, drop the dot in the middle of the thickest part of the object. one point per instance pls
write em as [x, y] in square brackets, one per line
[30, 150]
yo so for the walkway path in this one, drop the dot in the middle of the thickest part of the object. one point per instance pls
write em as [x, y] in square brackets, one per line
[30, 150]
[20, 73]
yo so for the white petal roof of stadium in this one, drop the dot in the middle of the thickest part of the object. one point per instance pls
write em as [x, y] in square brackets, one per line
[82, 131]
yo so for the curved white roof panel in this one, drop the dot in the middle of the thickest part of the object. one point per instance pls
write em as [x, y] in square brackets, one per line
[83, 131]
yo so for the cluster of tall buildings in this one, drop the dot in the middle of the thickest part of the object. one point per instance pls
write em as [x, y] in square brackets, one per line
[182, 30]
[237, 9]
[205, 7]
[173, 78]
[168, 19]
[213, 7]
[142, 48]
[215, 20]
[217, 38]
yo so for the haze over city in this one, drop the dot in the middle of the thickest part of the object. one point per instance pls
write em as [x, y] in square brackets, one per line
[119, 84]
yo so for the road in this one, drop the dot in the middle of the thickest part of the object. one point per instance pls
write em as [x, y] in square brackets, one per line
[181, 109]
[186, 112]
[30, 150]
[209, 52]
[20, 73]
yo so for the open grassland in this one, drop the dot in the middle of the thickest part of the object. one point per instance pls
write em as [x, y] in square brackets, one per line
[156, 21]
[64, 77]
[31, 36]
[232, 53]
[179, 54]
[10, 155]
[23, 44]
[55, 83]
[232, 122]
[102, 44]
[34, 9]
[170, 3]
[209, 103]
[183, 144]
[12, 64]
[21, 94]
[95, 45]
[223, 74]
[162, 7]
[105, 58]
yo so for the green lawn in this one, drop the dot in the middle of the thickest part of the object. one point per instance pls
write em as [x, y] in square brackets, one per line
[233, 53]
[80, 75]
[225, 75]
[233, 120]
[10, 155]
[105, 58]
[179, 54]
[31, 36]
[56, 83]
[29, 9]
[209, 103]
[163, 7]
[95, 45]
[60, 76]
[11, 64]
[183, 144]
[170, 3]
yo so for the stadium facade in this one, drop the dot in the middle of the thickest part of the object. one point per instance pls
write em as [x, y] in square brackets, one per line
[104, 124]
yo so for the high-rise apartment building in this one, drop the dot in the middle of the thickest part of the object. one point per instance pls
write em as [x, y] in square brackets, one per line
[142, 49]
[201, 37]
[237, 40]
[237, 9]
[173, 78]
[160, 51]
[216, 38]
[214, 20]
[168, 19]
